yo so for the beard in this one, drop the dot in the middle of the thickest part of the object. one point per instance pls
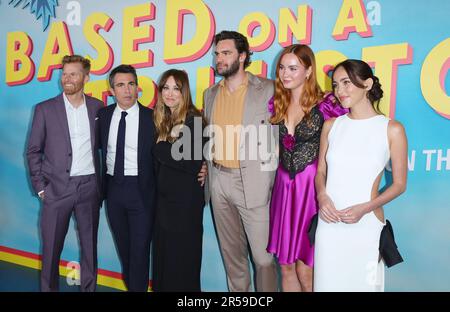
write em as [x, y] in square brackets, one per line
[230, 71]
[72, 90]
[76, 86]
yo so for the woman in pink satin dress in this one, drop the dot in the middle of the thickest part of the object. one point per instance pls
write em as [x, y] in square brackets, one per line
[299, 108]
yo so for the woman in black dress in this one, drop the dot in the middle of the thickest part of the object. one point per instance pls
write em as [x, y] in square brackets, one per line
[177, 241]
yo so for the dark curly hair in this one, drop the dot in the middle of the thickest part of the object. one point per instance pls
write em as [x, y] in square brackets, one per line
[240, 41]
[358, 71]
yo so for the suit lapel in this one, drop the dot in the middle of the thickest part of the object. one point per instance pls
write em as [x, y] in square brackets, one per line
[61, 114]
[141, 132]
[109, 114]
[211, 103]
[91, 116]
[250, 105]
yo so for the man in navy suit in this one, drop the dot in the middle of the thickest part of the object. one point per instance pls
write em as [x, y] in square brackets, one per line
[127, 136]
[64, 171]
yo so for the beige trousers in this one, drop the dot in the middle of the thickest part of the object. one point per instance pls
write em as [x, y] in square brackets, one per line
[239, 227]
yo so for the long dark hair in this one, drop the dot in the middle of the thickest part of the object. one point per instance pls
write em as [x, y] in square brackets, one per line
[357, 72]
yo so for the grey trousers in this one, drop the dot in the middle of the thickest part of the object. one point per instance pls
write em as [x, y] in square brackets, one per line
[80, 198]
[239, 227]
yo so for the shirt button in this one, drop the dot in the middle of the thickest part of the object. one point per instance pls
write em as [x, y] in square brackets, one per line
[67, 170]
[70, 154]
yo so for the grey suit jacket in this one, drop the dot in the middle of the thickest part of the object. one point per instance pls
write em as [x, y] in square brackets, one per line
[49, 151]
[257, 173]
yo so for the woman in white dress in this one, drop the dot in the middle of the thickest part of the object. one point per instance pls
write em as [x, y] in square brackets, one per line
[354, 150]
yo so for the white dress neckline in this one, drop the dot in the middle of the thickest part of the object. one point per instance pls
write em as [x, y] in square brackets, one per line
[363, 119]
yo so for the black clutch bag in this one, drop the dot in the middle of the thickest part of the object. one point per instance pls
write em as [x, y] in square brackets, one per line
[312, 229]
[388, 247]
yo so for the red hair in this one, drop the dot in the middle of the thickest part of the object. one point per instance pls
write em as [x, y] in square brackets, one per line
[312, 93]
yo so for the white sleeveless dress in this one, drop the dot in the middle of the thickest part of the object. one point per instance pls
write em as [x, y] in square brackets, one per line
[346, 255]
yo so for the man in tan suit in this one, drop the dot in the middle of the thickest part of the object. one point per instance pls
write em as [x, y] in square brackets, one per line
[242, 164]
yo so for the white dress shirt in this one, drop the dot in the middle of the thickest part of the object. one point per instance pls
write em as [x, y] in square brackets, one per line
[131, 141]
[80, 138]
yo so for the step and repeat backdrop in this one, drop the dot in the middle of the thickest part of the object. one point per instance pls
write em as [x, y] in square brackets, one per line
[406, 42]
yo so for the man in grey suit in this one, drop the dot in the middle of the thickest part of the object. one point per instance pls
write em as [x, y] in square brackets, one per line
[64, 171]
[239, 184]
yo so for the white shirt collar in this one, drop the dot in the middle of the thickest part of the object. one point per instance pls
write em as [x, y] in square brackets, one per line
[132, 111]
[69, 105]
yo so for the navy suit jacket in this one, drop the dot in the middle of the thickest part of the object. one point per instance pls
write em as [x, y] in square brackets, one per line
[49, 150]
[146, 142]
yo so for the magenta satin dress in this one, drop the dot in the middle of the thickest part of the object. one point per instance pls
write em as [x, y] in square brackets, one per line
[294, 203]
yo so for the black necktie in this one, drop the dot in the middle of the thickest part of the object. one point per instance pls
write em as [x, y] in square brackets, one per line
[120, 150]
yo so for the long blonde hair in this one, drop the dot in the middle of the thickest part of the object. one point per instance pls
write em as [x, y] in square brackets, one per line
[164, 119]
[311, 90]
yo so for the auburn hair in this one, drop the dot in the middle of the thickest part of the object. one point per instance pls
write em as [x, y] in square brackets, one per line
[85, 63]
[312, 93]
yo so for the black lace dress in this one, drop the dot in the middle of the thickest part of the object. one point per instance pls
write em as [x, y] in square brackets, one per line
[293, 196]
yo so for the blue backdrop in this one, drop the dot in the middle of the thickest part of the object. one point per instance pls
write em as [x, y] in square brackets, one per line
[407, 42]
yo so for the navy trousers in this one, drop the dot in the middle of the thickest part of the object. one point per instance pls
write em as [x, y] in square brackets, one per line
[131, 226]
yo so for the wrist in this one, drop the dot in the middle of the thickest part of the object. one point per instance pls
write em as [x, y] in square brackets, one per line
[321, 194]
[367, 207]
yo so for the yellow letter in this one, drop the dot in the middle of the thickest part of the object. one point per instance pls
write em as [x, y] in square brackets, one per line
[267, 34]
[134, 34]
[386, 59]
[149, 94]
[175, 51]
[288, 25]
[19, 65]
[258, 68]
[94, 22]
[325, 61]
[352, 17]
[432, 78]
[58, 44]
[98, 89]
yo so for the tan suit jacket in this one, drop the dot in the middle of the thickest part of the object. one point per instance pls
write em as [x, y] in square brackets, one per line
[257, 172]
